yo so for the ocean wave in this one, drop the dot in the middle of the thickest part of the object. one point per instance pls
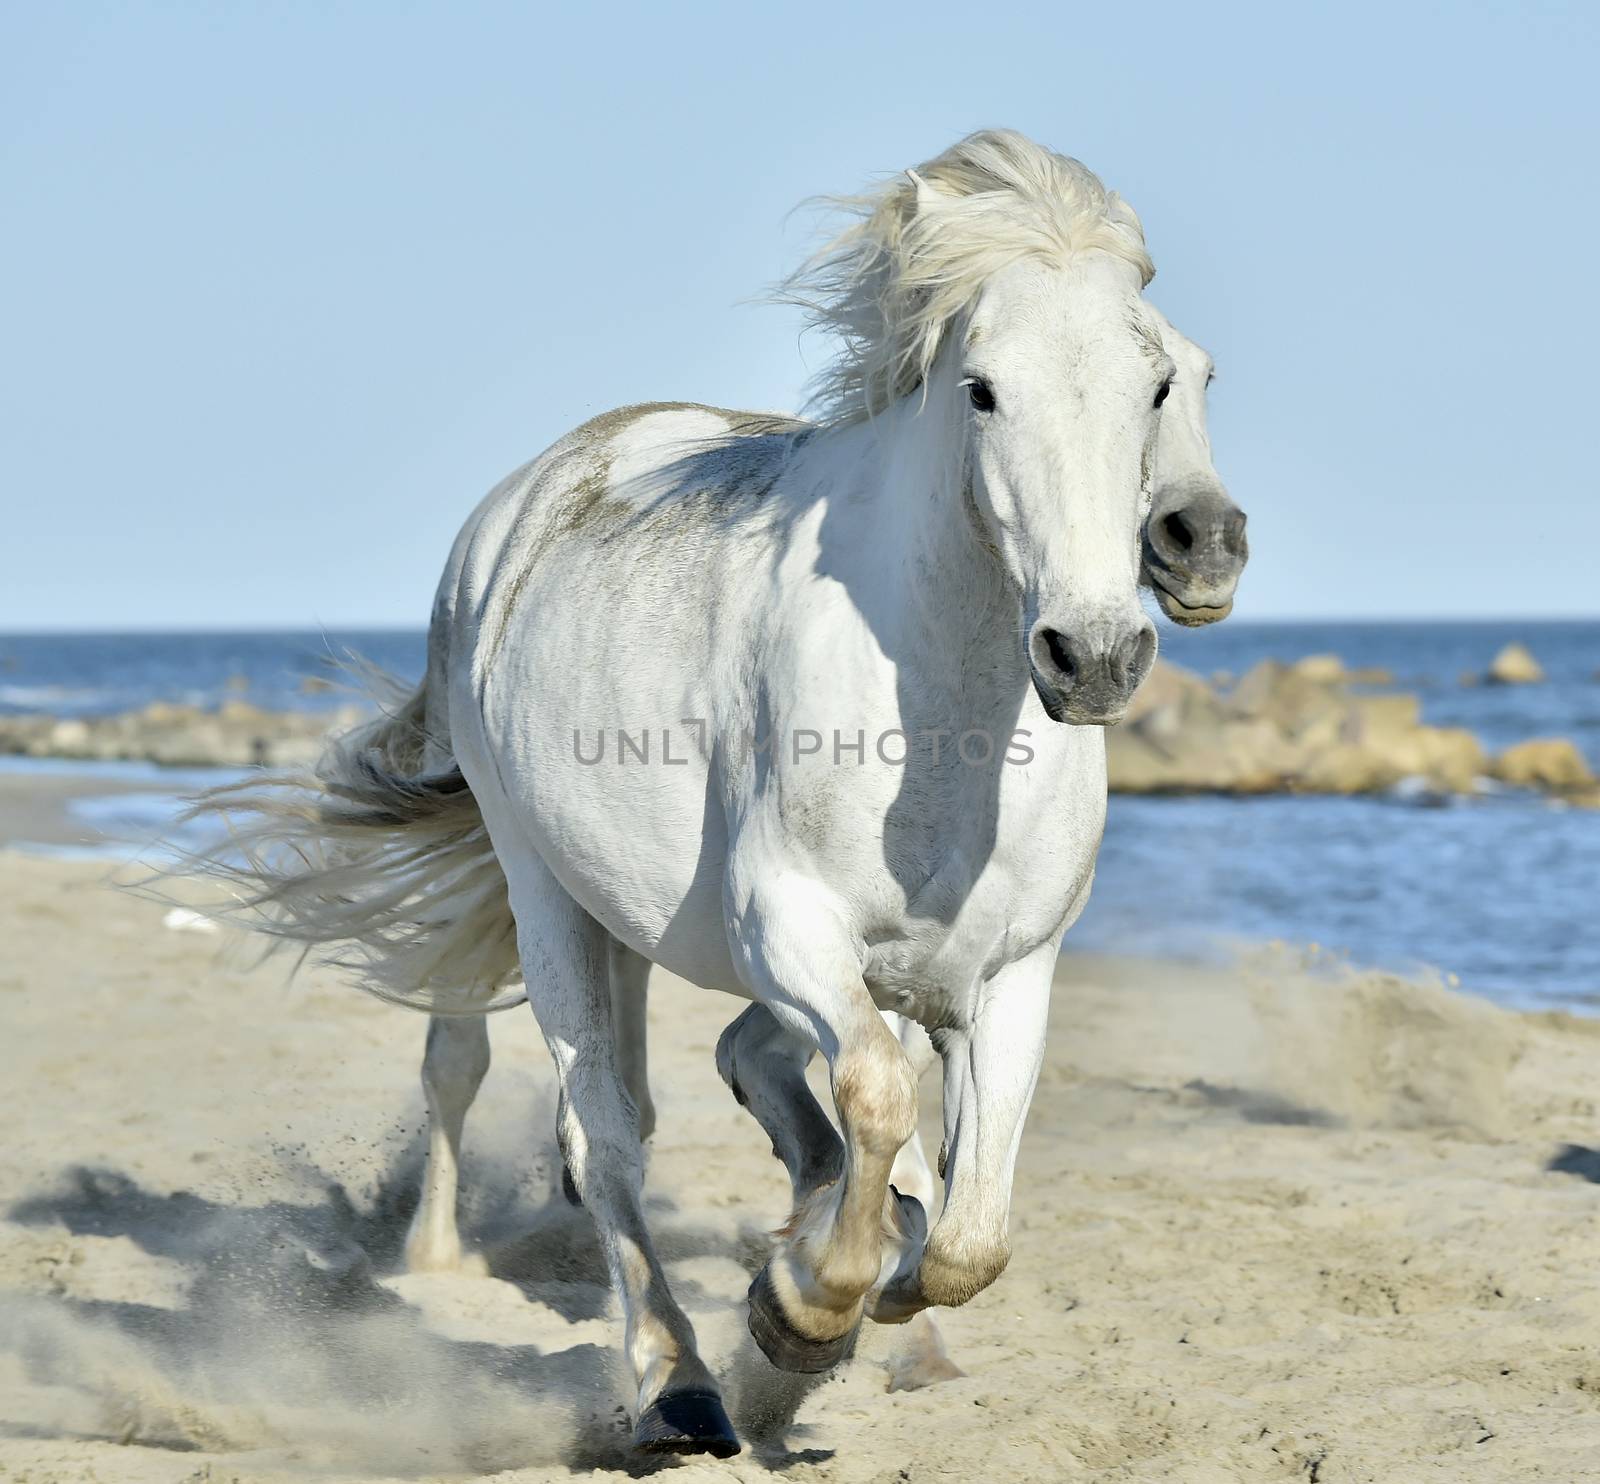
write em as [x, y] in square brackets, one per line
[56, 698]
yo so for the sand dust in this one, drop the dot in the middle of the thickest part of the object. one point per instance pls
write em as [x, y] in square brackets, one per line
[1271, 1224]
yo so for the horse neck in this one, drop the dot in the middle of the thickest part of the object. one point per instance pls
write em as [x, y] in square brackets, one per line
[935, 596]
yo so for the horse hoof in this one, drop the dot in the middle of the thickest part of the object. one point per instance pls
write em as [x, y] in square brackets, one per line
[569, 1187]
[782, 1344]
[686, 1422]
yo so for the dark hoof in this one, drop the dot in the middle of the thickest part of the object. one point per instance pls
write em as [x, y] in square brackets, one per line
[782, 1344]
[686, 1422]
[569, 1189]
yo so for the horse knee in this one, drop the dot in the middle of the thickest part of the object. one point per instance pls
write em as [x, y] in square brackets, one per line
[875, 1091]
[951, 1273]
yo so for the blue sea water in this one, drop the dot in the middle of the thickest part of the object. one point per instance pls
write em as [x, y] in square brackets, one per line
[95, 674]
[1499, 891]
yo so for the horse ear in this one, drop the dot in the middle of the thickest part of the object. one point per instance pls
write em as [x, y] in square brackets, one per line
[926, 195]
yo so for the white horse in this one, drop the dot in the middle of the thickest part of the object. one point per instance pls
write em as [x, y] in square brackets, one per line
[1194, 554]
[806, 714]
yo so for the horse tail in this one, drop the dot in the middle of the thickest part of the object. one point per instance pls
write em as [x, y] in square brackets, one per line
[378, 857]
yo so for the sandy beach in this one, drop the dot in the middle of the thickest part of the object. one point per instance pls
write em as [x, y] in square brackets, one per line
[1269, 1224]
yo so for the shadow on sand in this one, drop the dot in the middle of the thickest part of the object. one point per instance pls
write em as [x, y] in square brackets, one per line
[1576, 1159]
[284, 1341]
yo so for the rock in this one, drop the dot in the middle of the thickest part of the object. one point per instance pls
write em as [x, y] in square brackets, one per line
[1322, 669]
[1449, 758]
[1382, 720]
[69, 737]
[1329, 669]
[1286, 728]
[242, 713]
[1168, 686]
[1256, 687]
[1546, 762]
[165, 713]
[1514, 665]
[1346, 768]
[237, 734]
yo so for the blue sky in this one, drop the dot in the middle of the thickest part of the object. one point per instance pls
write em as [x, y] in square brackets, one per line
[284, 289]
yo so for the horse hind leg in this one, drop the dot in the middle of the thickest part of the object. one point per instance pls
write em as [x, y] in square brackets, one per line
[453, 1068]
[564, 956]
[629, 976]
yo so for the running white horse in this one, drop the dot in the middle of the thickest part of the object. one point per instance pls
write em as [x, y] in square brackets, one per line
[806, 714]
[1195, 552]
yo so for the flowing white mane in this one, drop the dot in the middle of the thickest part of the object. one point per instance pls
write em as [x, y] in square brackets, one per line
[924, 243]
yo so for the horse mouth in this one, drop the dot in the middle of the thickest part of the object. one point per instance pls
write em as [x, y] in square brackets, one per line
[1190, 615]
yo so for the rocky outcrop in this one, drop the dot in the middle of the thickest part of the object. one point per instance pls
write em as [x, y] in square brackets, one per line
[1284, 729]
[1304, 728]
[1551, 763]
[1515, 665]
[236, 734]
[1329, 669]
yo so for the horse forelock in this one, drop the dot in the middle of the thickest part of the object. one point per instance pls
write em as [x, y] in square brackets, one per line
[923, 244]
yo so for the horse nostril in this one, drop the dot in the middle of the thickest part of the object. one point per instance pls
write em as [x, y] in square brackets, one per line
[1143, 655]
[1055, 643]
[1178, 531]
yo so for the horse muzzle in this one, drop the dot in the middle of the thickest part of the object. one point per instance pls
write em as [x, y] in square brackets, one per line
[1086, 677]
[1194, 552]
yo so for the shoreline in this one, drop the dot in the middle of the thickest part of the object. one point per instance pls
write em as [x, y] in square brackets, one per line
[111, 812]
[1314, 727]
[37, 810]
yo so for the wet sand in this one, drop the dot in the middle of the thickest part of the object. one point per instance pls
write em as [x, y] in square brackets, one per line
[35, 808]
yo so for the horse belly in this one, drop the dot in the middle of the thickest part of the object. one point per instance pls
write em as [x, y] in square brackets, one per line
[609, 787]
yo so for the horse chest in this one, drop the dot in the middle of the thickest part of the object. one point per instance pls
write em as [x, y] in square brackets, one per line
[952, 887]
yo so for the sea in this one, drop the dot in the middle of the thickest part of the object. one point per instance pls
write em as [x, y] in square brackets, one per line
[1499, 893]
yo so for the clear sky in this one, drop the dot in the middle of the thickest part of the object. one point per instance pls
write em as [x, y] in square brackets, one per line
[285, 288]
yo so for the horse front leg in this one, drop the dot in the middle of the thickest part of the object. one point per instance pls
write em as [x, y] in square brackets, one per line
[922, 1359]
[807, 1302]
[990, 1070]
[910, 1174]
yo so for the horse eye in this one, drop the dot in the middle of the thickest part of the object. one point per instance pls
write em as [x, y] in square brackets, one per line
[1161, 396]
[981, 394]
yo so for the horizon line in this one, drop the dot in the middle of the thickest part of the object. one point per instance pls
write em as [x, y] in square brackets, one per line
[169, 631]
